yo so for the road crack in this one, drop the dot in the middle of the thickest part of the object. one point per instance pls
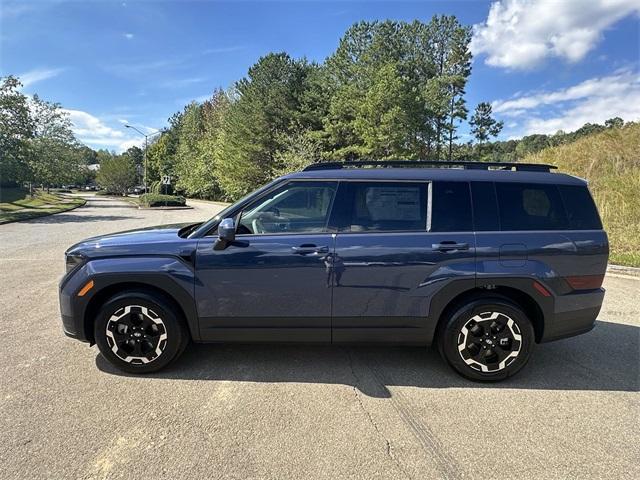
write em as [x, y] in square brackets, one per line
[388, 448]
[445, 463]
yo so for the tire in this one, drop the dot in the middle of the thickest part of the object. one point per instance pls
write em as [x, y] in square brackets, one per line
[487, 339]
[139, 332]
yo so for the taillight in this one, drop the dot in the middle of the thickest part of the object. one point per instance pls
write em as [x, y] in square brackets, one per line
[585, 282]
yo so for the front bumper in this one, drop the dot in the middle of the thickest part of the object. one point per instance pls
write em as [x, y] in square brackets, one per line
[574, 314]
[72, 307]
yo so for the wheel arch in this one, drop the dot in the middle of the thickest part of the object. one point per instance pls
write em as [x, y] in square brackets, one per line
[523, 299]
[110, 290]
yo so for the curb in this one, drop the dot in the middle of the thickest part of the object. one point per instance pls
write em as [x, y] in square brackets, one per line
[166, 208]
[624, 270]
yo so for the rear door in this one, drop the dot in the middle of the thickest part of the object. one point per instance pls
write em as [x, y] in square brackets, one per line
[398, 243]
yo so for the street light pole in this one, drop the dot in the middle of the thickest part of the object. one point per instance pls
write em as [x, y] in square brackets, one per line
[146, 143]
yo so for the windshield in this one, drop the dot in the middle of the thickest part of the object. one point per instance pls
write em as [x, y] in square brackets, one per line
[230, 210]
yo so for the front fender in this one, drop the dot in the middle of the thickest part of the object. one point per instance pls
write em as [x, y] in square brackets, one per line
[169, 274]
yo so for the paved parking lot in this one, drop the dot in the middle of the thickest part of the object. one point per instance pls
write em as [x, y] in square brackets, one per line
[296, 411]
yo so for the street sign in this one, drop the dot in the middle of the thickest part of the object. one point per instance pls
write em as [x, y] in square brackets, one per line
[166, 180]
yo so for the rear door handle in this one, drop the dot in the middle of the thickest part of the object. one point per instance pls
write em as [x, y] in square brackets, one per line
[448, 246]
[307, 249]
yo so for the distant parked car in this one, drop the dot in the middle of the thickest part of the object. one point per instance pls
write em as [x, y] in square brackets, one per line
[137, 190]
[482, 263]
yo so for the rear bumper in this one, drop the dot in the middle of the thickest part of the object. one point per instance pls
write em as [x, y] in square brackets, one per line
[573, 315]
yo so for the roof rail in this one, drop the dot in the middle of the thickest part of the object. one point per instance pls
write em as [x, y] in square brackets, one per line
[527, 167]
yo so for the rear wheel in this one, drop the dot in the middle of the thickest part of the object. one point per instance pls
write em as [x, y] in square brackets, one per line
[139, 332]
[487, 339]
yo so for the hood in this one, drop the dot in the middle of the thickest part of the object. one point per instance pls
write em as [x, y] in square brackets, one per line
[149, 240]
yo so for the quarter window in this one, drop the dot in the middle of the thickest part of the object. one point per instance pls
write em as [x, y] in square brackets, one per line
[525, 206]
[581, 211]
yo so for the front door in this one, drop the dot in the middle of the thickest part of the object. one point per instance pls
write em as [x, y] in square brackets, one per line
[394, 251]
[272, 283]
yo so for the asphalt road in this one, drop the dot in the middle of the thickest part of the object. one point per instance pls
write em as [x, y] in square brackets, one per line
[296, 411]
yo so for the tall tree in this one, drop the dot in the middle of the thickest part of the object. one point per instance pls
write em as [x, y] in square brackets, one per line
[195, 164]
[483, 125]
[54, 157]
[161, 156]
[430, 63]
[448, 43]
[267, 106]
[16, 129]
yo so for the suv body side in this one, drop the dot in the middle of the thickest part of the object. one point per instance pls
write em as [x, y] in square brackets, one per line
[373, 285]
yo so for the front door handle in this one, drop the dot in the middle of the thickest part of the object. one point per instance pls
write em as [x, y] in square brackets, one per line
[307, 249]
[448, 246]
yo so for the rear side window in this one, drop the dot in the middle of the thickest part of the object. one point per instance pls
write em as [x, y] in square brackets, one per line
[386, 207]
[450, 207]
[581, 210]
[524, 206]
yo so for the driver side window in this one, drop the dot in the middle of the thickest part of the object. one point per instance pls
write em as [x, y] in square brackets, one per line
[297, 207]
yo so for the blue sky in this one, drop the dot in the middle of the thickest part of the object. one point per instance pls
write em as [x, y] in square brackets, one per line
[545, 65]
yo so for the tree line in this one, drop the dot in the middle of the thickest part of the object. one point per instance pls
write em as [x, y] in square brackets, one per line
[391, 90]
[38, 147]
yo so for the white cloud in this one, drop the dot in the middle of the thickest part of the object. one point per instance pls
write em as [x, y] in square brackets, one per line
[96, 133]
[182, 82]
[593, 110]
[38, 75]
[609, 86]
[128, 36]
[592, 101]
[521, 34]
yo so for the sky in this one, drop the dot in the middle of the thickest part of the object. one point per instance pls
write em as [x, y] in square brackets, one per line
[545, 65]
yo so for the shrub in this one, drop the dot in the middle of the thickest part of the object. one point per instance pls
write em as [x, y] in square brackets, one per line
[158, 200]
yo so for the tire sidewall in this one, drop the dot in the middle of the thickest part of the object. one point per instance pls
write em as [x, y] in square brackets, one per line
[176, 334]
[449, 338]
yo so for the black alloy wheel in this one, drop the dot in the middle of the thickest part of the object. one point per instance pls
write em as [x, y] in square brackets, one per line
[140, 332]
[487, 339]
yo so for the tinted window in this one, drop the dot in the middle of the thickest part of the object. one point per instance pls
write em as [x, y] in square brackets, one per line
[530, 207]
[386, 207]
[297, 207]
[485, 207]
[450, 207]
[581, 211]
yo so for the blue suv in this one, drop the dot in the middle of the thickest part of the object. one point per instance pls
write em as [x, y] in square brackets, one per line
[482, 259]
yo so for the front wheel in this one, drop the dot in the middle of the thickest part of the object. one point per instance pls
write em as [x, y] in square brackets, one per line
[139, 332]
[487, 339]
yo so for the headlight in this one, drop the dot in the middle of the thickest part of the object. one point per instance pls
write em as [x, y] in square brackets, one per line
[73, 260]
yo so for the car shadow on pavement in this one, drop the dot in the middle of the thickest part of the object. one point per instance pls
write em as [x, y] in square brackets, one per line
[606, 359]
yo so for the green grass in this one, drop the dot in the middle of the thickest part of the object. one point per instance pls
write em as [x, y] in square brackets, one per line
[16, 204]
[610, 161]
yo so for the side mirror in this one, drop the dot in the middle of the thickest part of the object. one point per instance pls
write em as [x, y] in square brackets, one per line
[226, 234]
